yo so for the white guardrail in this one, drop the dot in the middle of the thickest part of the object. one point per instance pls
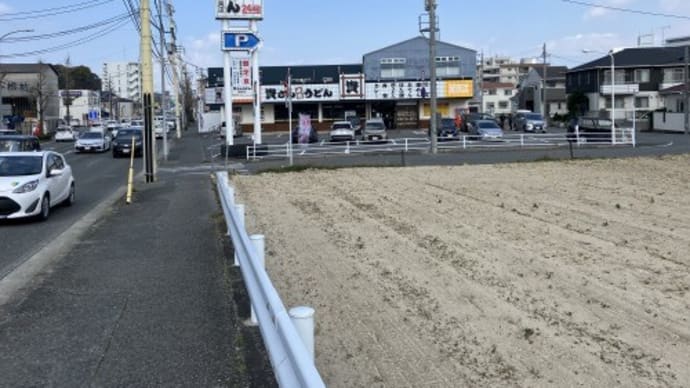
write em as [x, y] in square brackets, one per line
[288, 337]
[622, 136]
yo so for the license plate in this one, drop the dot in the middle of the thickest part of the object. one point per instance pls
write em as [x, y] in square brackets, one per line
[375, 138]
[126, 151]
[87, 148]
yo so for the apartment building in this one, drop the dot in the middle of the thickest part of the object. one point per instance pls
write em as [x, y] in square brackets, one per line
[122, 79]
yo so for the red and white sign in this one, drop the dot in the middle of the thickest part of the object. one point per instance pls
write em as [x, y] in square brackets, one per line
[239, 9]
[242, 90]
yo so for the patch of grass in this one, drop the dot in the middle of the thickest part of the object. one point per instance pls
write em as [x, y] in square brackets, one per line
[303, 168]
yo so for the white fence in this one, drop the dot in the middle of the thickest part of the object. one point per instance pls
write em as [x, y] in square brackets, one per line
[288, 337]
[620, 137]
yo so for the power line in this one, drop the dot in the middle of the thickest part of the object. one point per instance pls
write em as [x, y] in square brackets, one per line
[628, 10]
[74, 43]
[67, 32]
[8, 17]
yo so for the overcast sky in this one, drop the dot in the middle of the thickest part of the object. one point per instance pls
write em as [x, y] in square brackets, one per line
[334, 31]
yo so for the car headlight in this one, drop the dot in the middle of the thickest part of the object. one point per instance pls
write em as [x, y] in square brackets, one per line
[26, 187]
[530, 126]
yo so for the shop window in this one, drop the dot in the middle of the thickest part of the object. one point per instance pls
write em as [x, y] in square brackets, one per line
[503, 104]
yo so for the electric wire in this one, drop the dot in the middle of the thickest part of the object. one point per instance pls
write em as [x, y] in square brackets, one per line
[67, 32]
[9, 17]
[628, 10]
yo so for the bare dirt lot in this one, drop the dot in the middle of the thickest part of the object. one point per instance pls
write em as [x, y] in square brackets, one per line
[551, 274]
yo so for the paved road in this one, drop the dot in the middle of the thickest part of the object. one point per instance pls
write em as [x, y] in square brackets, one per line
[97, 176]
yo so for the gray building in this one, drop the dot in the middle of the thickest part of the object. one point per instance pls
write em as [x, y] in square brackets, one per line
[29, 91]
[397, 81]
[531, 91]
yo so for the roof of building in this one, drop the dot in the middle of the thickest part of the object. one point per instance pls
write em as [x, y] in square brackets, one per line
[19, 68]
[677, 89]
[426, 40]
[638, 56]
[275, 75]
[497, 85]
[552, 72]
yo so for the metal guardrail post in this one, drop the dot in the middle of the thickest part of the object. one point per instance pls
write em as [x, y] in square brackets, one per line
[464, 142]
[239, 208]
[406, 148]
[303, 319]
[522, 140]
[259, 243]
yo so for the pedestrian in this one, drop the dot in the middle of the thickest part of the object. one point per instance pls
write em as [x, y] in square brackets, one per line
[510, 121]
[503, 121]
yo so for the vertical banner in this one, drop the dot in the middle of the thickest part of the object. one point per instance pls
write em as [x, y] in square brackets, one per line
[304, 130]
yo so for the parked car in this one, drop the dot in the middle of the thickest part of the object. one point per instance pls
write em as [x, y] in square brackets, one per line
[445, 130]
[65, 133]
[8, 132]
[122, 144]
[32, 183]
[486, 130]
[342, 131]
[374, 130]
[529, 122]
[19, 143]
[469, 118]
[92, 142]
[590, 129]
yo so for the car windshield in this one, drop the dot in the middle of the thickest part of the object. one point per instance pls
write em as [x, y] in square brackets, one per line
[91, 135]
[487, 125]
[375, 125]
[20, 165]
[128, 133]
[533, 116]
[15, 145]
[341, 126]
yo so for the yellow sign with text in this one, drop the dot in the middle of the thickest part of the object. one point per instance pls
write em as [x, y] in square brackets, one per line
[459, 89]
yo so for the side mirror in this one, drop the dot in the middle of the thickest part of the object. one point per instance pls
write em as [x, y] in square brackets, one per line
[55, 172]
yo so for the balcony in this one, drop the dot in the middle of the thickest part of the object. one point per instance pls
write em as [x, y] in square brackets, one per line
[620, 88]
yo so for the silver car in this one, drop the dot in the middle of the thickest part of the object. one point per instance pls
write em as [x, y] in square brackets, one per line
[342, 131]
[531, 122]
[374, 130]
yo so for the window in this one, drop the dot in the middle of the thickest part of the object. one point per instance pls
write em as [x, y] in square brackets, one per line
[641, 75]
[448, 66]
[393, 67]
[508, 92]
[490, 106]
[491, 92]
[642, 102]
[673, 75]
[620, 102]
[620, 77]
[503, 104]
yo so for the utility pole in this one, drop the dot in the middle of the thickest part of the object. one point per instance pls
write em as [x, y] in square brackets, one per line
[686, 90]
[172, 53]
[431, 8]
[147, 90]
[68, 98]
[543, 98]
[481, 82]
[163, 51]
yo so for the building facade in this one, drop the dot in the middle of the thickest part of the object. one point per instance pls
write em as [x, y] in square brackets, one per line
[29, 92]
[497, 97]
[84, 106]
[391, 83]
[643, 76]
[122, 79]
[531, 91]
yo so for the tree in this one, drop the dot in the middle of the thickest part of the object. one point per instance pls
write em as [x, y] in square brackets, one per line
[578, 103]
[187, 96]
[40, 94]
[80, 77]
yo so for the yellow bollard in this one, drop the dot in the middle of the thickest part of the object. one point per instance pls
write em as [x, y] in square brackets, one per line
[130, 178]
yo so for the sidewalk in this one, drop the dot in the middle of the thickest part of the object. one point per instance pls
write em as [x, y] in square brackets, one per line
[148, 297]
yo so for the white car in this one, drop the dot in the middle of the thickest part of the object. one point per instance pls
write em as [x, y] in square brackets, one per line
[342, 131]
[65, 133]
[31, 183]
[92, 141]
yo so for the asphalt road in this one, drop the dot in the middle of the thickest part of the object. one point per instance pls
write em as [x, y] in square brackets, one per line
[97, 176]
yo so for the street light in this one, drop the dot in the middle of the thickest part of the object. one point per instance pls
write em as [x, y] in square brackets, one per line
[1, 78]
[613, 91]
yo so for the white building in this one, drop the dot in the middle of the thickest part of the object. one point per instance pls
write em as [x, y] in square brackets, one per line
[497, 97]
[85, 106]
[122, 79]
[498, 69]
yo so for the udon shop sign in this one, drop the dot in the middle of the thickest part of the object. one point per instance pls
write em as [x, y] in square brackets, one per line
[301, 93]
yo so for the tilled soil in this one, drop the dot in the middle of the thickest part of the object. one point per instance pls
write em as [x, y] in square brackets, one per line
[551, 274]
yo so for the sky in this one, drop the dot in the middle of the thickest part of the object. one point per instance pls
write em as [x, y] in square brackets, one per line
[305, 32]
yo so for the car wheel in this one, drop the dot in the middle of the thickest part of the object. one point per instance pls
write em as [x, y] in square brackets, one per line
[71, 197]
[45, 208]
